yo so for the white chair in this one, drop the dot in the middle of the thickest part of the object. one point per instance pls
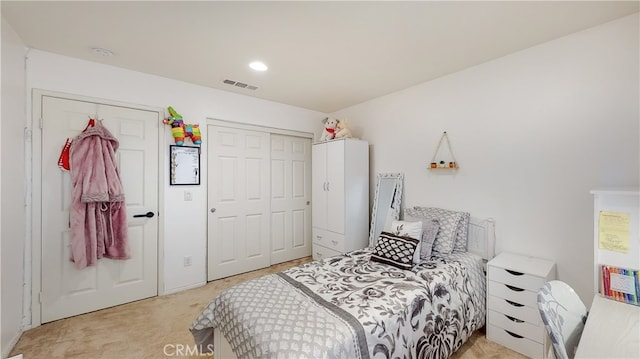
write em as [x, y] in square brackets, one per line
[564, 315]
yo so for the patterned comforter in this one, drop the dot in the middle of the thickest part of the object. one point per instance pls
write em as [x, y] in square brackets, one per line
[349, 307]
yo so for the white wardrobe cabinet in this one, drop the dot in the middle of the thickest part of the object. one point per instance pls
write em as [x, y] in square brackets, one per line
[340, 196]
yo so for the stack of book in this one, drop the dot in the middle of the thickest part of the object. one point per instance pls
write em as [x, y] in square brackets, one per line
[620, 284]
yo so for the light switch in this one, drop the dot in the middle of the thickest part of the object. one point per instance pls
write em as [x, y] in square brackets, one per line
[187, 196]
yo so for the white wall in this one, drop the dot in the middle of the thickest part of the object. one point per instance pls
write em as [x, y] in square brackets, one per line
[185, 222]
[13, 215]
[533, 132]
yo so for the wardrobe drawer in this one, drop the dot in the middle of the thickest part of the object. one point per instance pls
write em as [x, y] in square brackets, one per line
[517, 326]
[320, 252]
[516, 342]
[514, 309]
[516, 279]
[513, 293]
[328, 239]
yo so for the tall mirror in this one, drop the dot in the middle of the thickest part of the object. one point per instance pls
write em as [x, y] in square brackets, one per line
[386, 203]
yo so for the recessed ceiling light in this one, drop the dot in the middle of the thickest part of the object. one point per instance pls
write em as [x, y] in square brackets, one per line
[102, 52]
[258, 66]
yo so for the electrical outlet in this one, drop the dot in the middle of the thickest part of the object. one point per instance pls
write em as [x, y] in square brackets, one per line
[187, 196]
[187, 261]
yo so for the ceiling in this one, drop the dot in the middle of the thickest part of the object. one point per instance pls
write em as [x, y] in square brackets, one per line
[323, 56]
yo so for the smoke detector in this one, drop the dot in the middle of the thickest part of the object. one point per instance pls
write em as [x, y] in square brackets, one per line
[102, 52]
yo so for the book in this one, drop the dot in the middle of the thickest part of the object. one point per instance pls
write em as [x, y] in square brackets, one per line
[621, 284]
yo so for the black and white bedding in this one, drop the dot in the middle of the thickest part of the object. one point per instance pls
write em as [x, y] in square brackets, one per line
[351, 307]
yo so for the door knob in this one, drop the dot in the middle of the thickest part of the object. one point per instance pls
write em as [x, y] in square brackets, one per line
[212, 210]
[148, 215]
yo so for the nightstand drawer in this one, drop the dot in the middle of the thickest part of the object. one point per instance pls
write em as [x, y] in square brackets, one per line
[516, 342]
[517, 326]
[516, 279]
[328, 239]
[514, 309]
[513, 293]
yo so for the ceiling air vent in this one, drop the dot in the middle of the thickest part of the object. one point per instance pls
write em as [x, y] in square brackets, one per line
[240, 84]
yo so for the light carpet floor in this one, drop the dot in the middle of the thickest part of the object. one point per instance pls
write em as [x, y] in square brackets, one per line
[158, 327]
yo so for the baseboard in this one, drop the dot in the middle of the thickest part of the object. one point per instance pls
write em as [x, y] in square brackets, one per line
[180, 289]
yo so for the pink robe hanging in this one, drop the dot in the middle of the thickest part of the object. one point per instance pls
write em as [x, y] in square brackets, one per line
[98, 212]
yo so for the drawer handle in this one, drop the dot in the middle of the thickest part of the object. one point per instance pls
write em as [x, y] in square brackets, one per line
[515, 289]
[515, 320]
[514, 335]
[514, 303]
[512, 272]
[334, 242]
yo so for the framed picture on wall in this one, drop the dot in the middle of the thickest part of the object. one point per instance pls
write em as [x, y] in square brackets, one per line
[184, 165]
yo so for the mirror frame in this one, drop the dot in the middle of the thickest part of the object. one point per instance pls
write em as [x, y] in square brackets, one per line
[395, 205]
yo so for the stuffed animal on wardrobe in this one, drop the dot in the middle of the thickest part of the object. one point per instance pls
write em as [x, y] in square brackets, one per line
[343, 130]
[329, 132]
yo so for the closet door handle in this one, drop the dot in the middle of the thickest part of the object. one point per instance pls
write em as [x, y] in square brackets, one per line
[148, 215]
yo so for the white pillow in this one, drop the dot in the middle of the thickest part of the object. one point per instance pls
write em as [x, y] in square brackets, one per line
[408, 229]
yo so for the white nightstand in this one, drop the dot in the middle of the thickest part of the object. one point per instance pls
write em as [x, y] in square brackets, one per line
[513, 319]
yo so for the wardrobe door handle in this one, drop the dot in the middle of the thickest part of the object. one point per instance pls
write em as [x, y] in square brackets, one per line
[148, 215]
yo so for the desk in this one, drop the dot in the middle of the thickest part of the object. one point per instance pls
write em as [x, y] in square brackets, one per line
[612, 330]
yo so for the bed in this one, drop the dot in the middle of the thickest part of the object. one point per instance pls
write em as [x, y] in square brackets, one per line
[350, 306]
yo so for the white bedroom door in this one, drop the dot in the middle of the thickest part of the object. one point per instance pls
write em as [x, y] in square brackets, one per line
[238, 198]
[65, 290]
[290, 198]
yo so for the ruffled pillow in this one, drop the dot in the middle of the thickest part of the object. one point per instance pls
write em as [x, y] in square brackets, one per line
[430, 228]
[429, 234]
[462, 233]
[448, 225]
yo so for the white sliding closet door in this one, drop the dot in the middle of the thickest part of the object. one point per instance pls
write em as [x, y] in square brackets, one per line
[290, 198]
[239, 203]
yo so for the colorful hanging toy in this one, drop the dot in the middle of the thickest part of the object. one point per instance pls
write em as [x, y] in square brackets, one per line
[180, 130]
